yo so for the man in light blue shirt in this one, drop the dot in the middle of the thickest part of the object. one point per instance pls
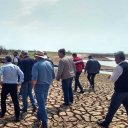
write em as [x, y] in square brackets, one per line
[42, 76]
[9, 80]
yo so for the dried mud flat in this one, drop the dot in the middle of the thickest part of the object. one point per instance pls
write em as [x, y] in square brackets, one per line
[83, 113]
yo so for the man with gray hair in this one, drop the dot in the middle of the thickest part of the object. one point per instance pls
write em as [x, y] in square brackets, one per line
[120, 95]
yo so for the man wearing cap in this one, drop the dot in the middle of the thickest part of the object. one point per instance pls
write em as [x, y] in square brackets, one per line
[42, 76]
[26, 87]
[9, 80]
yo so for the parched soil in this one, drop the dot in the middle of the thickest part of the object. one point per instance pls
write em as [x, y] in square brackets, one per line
[86, 109]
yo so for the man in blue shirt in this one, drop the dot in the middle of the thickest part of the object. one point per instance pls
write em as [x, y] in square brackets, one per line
[42, 76]
[9, 80]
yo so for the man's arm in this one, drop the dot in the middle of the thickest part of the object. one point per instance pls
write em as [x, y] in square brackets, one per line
[34, 82]
[34, 75]
[1, 76]
[116, 73]
[21, 74]
[60, 70]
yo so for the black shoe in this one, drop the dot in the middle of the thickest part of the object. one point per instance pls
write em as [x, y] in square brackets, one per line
[23, 110]
[64, 105]
[102, 123]
[1, 115]
[34, 109]
[82, 91]
[43, 126]
[17, 119]
[37, 116]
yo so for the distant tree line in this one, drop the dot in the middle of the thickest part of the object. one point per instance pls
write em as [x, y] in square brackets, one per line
[3, 50]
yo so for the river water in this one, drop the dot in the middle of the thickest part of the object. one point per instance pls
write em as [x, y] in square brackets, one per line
[110, 63]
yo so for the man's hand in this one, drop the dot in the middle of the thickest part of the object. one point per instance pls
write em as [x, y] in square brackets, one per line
[58, 79]
[109, 76]
[34, 83]
[1, 83]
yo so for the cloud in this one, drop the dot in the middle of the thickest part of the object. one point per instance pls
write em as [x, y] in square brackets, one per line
[28, 5]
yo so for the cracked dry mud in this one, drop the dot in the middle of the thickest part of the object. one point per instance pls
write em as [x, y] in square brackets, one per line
[83, 113]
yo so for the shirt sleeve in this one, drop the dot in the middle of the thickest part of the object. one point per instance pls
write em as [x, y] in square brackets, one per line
[21, 74]
[34, 72]
[15, 60]
[116, 73]
[60, 69]
[1, 73]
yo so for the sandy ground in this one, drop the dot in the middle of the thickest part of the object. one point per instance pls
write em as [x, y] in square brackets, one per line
[83, 113]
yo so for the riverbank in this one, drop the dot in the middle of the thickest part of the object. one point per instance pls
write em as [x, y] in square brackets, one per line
[83, 113]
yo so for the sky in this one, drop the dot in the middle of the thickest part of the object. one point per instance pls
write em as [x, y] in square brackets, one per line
[89, 26]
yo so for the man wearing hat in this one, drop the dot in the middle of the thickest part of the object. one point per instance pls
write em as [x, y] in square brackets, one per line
[42, 76]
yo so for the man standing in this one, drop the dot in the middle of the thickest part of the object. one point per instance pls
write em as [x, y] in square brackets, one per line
[92, 67]
[120, 95]
[42, 76]
[9, 80]
[79, 67]
[16, 59]
[66, 72]
[26, 87]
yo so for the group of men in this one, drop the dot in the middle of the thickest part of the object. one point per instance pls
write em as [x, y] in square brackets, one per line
[28, 73]
[39, 74]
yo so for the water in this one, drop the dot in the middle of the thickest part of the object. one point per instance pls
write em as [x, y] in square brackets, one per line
[110, 63]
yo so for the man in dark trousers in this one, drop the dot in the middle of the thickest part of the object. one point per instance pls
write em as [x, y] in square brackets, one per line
[120, 95]
[92, 67]
[79, 67]
[26, 87]
[9, 80]
[66, 72]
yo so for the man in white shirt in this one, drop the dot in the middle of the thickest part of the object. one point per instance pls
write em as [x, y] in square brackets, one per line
[120, 95]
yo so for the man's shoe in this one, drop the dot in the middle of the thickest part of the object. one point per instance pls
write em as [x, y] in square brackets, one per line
[37, 116]
[1, 115]
[64, 105]
[17, 119]
[43, 126]
[102, 123]
[34, 109]
[23, 110]
[82, 91]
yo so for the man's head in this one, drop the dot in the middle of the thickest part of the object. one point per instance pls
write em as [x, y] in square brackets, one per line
[24, 54]
[8, 59]
[90, 57]
[119, 56]
[15, 53]
[74, 55]
[39, 55]
[61, 52]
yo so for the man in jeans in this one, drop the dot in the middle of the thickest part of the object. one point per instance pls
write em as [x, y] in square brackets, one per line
[66, 72]
[42, 76]
[26, 87]
[9, 80]
[120, 95]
